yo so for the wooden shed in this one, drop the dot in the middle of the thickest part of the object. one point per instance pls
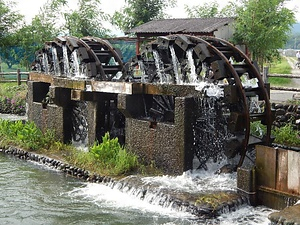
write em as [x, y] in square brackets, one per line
[217, 27]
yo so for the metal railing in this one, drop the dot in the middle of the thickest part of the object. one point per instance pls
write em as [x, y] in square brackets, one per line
[17, 76]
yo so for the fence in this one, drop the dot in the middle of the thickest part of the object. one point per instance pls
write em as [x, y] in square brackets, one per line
[17, 76]
[266, 75]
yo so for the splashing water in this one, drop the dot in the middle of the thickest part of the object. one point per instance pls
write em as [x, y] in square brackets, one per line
[196, 181]
[103, 195]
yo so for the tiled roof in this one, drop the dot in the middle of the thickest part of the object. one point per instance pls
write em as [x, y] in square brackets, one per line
[187, 25]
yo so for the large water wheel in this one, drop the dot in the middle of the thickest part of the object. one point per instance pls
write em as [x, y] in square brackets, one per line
[190, 60]
[88, 58]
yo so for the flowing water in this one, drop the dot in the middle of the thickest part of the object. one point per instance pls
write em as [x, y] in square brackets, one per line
[57, 71]
[34, 194]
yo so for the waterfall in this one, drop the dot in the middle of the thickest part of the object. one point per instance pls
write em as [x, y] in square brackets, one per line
[55, 59]
[142, 69]
[79, 125]
[210, 130]
[175, 66]
[45, 63]
[158, 65]
[192, 76]
[66, 60]
[75, 63]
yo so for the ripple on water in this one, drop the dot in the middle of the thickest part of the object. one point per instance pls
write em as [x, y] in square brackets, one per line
[31, 194]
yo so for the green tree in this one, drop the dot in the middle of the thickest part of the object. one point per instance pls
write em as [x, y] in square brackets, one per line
[293, 41]
[210, 10]
[10, 21]
[45, 26]
[263, 26]
[137, 12]
[87, 20]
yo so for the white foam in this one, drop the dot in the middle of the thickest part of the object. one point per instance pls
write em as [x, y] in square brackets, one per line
[197, 180]
[104, 196]
[247, 215]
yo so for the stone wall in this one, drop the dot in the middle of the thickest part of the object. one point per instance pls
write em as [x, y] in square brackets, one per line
[168, 145]
[285, 113]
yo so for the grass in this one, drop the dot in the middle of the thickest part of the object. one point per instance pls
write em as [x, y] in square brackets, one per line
[4, 68]
[280, 67]
[284, 135]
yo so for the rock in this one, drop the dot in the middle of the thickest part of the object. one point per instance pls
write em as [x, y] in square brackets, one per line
[288, 216]
[228, 168]
[280, 112]
[296, 96]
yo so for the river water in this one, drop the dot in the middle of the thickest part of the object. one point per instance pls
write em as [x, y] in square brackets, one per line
[35, 194]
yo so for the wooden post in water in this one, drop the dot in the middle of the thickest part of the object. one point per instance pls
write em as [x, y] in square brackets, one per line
[18, 77]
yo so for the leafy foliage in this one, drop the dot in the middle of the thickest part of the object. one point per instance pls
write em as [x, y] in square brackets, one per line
[263, 27]
[86, 21]
[31, 37]
[137, 12]
[51, 21]
[13, 99]
[293, 41]
[25, 135]
[209, 10]
[9, 20]
[113, 156]
[286, 135]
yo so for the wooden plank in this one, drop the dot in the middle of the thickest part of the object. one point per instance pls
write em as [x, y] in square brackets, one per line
[282, 170]
[266, 166]
[294, 172]
[41, 77]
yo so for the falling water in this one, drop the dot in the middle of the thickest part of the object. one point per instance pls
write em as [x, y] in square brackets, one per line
[45, 63]
[55, 62]
[75, 63]
[192, 76]
[142, 69]
[79, 125]
[210, 131]
[175, 65]
[158, 64]
[66, 60]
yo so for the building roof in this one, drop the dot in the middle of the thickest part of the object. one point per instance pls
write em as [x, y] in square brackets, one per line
[186, 25]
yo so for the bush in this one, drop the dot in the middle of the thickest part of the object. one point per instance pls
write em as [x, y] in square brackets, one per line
[13, 99]
[113, 156]
[25, 135]
[286, 135]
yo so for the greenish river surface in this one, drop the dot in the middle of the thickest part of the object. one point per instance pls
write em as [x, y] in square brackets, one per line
[34, 194]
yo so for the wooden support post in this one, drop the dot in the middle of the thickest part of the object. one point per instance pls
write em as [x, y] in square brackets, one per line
[265, 74]
[18, 77]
